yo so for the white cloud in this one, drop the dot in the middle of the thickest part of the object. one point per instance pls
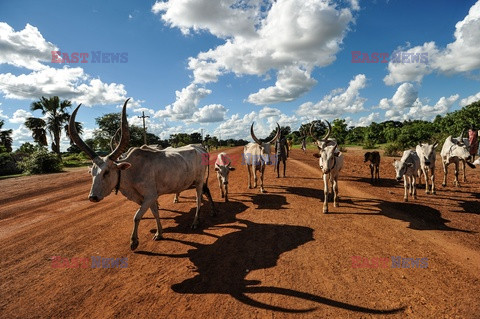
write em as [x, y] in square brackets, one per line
[19, 116]
[69, 83]
[3, 116]
[186, 103]
[412, 71]
[337, 102]
[210, 113]
[461, 55]
[366, 120]
[470, 99]
[291, 83]
[267, 112]
[26, 48]
[405, 105]
[292, 37]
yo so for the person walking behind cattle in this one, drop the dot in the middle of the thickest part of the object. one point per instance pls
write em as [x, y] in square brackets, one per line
[281, 152]
[374, 158]
[473, 141]
[304, 144]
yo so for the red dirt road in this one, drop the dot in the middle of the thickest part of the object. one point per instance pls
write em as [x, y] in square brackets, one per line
[270, 255]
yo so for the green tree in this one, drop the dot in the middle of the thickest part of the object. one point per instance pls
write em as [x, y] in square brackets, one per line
[6, 138]
[339, 130]
[38, 128]
[57, 117]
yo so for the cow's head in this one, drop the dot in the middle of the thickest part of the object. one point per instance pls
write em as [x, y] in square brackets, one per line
[223, 171]
[265, 147]
[105, 170]
[427, 151]
[327, 151]
[367, 157]
[400, 168]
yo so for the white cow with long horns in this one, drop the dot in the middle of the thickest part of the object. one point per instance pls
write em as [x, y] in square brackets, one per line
[256, 156]
[144, 174]
[330, 160]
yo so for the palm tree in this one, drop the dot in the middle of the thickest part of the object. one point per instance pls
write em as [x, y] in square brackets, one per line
[6, 138]
[57, 117]
[37, 126]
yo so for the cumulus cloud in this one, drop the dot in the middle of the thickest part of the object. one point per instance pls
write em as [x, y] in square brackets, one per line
[366, 120]
[26, 48]
[186, 103]
[405, 105]
[261, 37]
[210, 113]
[469, 100]
[337, 102]
[19, 116]
[458, 56]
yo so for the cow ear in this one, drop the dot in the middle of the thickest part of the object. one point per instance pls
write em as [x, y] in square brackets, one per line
[217, 169]
[316, 155]
[231, 168]
[123, 165]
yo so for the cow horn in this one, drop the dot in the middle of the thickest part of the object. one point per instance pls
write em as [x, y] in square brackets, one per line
[124, 135]
[76, 138]
[253, 136]
[112, 140]
[329, 130]
[276, 135]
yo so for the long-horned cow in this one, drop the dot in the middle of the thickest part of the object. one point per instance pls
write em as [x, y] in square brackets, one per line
[223, 168]
[145, 174]
[454, 151]
[330, 160]
[426, 153]
[408, 167]
[256, 156]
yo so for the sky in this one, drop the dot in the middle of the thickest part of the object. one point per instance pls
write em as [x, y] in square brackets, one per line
[220, 65]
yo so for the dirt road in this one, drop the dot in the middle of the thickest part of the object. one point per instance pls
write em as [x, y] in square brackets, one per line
[272, 255]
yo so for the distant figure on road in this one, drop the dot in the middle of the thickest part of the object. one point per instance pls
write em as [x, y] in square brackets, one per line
[281, 151]
[304, 144]
[473, 141]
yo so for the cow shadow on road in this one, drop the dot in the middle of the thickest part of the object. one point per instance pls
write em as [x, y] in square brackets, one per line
[420, 217]
[222, 267]
[269, 201]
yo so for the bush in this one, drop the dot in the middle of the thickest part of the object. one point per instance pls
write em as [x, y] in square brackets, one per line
[75, 160]
[8, 166]
[368, 144]
[393, 149]
[41, 162]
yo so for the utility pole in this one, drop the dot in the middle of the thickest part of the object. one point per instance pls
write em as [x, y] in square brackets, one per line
[144, 128]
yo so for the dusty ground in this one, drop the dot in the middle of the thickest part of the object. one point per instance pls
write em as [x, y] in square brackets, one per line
[265, 255]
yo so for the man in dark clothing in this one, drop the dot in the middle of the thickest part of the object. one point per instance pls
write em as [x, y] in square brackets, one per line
[281, 152]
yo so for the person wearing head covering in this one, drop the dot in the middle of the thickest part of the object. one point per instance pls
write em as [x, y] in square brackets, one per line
[281, 152]
[473, 141]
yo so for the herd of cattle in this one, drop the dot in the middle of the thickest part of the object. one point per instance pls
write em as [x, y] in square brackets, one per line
[144, 173]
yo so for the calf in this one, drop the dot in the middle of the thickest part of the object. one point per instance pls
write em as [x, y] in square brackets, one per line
[407, 167]
[223, 168]
[426, 153]
[374, 158]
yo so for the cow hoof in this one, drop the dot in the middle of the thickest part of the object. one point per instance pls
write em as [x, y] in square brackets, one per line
[226, 200]
[158, 237]
[223, 196]
[194, 226]
[434, 193]
[133, 244]
[405, 199]
[444, 185]
[262, 190]
[335, 205]
[415, 197]
[427, 192]
[175, 201]
[325, 211]
[250, 186]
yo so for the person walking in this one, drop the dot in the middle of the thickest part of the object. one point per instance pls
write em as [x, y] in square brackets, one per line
[281, 153]
[473, 141]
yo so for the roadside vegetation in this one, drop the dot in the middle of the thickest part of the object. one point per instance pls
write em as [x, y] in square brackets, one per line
[392, 136]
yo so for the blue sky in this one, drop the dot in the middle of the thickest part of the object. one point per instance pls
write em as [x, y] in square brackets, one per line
[219, 65]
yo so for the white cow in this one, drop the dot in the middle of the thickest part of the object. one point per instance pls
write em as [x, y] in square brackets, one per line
[144, 174]
[426, 153]
[408, 167]
[454, 151]
[330, 160]
[256, 156]
[223, 168]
